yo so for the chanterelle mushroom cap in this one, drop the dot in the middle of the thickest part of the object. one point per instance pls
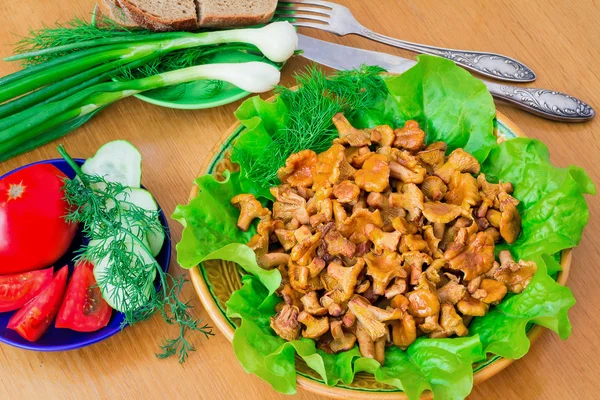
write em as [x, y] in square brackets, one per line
[473, 258]
[324, 213]
[371, 317]
[383, 135]
[407, 169]
[516, 276]
[451, 322]
[432, 159]
[374, 176]
[328, 167]
[471, 306]
[315, 327]
[250, 208]
[424, 300]
[338, 245]
[510, 220]
[380, 201]
[452, 292]
[442, 213]
[311, 304]
[382, 240]
[350, 135]
[346, 192]
[414, 261]
[286, 238]
[383, 269]
[357, 222]
[433, 188]
[403, 226]
[404, 332]
[303, 252]
[299, 169]
[411, 199]
[290, 296]
[341, 281]
[491, 291]
[285, 323]
[333, 308]
[492, 190]
[342, 341]
[300, 279]
[463, 190]
[458, 160]
[410, 137]
[430, 325]
[288, 205]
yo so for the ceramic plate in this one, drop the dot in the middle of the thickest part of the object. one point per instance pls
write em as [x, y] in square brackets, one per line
[57, 339]
[216, 280]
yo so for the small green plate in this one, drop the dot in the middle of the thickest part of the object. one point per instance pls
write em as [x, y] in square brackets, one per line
[200, 94]
[197, 95]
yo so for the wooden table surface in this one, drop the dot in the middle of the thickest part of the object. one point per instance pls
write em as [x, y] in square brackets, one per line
[557, 39]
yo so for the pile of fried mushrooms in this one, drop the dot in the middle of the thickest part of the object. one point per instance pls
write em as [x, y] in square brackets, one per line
[381, 239]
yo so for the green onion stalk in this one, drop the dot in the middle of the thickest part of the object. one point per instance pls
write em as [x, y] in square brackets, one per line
[77, 79]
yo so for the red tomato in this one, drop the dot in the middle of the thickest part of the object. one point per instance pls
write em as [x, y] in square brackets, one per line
[18, 289]
[33, 231]
[83, 308]
[32, 320]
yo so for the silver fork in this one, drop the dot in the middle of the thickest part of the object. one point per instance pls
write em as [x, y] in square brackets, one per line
[337, 19]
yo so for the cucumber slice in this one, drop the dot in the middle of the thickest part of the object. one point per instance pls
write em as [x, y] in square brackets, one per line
[117, 161]
[143, 199]
[125, 299]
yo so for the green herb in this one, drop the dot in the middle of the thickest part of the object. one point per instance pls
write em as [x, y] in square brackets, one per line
[122, 246]
[309, 111]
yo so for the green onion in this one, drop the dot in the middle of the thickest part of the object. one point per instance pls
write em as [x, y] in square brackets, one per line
[78, 77]
[254, 77]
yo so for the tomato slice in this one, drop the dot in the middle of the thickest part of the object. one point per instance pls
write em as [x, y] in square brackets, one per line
[83, 308]
[18, 289]
[32, 320]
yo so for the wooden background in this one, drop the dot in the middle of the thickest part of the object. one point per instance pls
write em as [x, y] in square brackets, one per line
[558, 39]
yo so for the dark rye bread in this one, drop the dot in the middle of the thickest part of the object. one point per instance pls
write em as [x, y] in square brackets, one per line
[111, 10]
[162, 15]
[228, 13]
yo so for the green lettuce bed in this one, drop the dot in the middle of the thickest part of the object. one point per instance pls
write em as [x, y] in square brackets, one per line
[451, 106]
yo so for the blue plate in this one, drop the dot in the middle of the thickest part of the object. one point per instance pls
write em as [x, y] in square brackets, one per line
[58, 339]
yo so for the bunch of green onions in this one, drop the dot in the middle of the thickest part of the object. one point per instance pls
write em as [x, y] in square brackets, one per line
[64, 85]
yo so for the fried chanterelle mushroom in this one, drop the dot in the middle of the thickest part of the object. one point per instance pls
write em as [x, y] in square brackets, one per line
[381, 239]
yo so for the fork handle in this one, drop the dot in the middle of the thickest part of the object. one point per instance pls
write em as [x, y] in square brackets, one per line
[545, 103]
[491, 65]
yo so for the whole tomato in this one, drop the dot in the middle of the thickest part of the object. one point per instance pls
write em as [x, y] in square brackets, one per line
[33, 231]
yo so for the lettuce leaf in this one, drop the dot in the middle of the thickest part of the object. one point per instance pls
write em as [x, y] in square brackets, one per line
[449, 104]
[503, 330]
[553, 208]
[210, 229]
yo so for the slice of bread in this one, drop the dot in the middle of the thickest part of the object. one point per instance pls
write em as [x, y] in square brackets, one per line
[162, 15]
[111, 10]
[228, 13]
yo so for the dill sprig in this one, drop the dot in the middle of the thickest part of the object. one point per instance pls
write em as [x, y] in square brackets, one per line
[72, 32]
[310, 110]
[117, 230]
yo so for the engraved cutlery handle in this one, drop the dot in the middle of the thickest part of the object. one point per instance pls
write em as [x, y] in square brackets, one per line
[489, 64]
[546, 103]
